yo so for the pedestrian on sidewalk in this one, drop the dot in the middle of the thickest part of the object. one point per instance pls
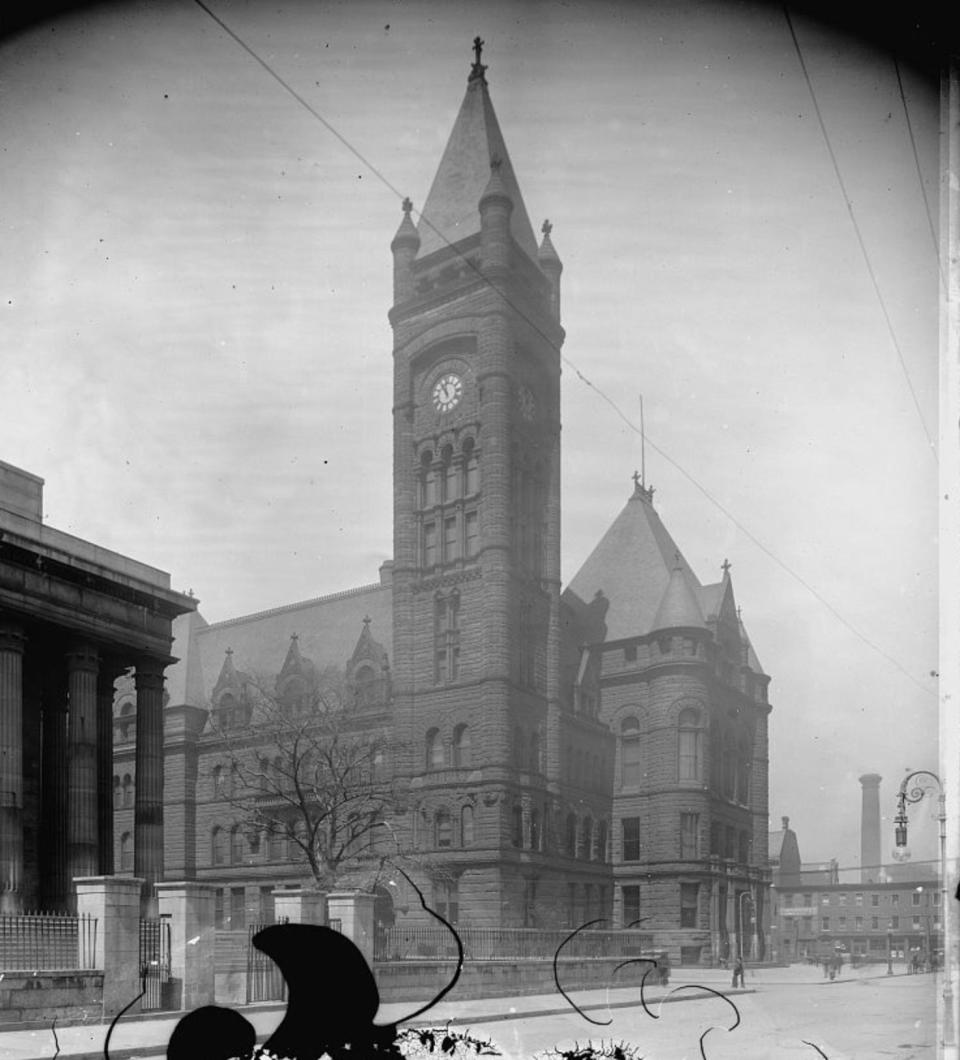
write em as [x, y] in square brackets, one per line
[738, 972]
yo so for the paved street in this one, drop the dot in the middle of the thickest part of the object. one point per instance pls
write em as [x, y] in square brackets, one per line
[864, 1015]
[863, 1019]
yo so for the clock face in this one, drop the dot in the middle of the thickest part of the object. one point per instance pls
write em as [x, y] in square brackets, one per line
[527, 403]
[447, 391]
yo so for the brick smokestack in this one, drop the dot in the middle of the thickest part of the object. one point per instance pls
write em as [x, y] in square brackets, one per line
[870, 828]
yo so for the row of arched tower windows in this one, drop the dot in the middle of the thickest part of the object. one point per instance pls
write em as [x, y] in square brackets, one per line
[447, 486]
[435, 752]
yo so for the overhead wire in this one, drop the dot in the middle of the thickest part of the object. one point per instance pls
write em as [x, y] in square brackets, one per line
[923, 188]
[860, 240]
[566, 360]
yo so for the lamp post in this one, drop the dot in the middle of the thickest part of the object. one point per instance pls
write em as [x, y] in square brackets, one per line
[742, 895]
[890, 948]
[915, 794]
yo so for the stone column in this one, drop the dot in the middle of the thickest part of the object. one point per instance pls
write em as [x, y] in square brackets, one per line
[105, 680]
[11, 766]
[300, 906]
[83, 852]
[189, 906]
[55, 887]
[115, 902]
[354, 911]
[148, 803]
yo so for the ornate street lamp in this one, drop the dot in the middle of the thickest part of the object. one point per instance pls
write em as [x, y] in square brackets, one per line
[915, 794]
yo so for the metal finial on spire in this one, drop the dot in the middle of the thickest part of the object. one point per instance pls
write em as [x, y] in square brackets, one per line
[725, 566]
[547, 228]
[478, 69]
[407, 205]
[229, 651]
[367, 620]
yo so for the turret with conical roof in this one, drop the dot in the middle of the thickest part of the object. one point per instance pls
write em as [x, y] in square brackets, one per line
[551, 265]
[404, 246]
[678, 608]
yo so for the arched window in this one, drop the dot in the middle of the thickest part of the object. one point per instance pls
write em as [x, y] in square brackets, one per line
[218, 846]
[236, 845]
[117, 794]
[428, 480]
[434, 749]
[729, 774]
[471, 468]
[127, 790]
[461, 746]
[743, 771]
[602, 841]
[365, 682]
[466, 826]
[253, 843]
[443, 824]
[516, 826]
[377, 764]
[571, 836]
[534, 752]
[587, 840]
[233, 784]
[126, 852]
[630, 752]
[744, 851]
[518, 744]
[690, 745]
[218, 781]
[536, 838]
[451, 475]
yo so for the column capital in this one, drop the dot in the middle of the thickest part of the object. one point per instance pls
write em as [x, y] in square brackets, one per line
[148, 674]
[83, 656]
[12, 637]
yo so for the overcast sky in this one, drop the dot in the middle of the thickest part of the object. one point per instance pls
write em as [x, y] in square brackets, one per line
[196, 277]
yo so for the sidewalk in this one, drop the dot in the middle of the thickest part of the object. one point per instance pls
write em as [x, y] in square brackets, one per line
[142, 1038]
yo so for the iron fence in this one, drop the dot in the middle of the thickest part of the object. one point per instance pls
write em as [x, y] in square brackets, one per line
[155, 964]
[34, 942]
[264, 981]
[506, 944]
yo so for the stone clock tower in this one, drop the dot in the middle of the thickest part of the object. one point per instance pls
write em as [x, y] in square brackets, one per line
[476, 582]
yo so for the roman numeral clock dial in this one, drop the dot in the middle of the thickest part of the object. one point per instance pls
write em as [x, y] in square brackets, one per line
[447, 391]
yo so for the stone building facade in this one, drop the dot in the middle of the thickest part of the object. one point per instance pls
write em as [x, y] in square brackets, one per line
[557, 757]
[73, 617]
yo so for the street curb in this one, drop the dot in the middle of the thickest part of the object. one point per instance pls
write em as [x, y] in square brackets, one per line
[142, 1052]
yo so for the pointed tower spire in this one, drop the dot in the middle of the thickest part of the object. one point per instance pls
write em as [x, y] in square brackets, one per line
[451, 208]
[404, 247]
[552, 266]
[679, 605]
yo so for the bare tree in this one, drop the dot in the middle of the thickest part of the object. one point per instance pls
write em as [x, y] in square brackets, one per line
[311, 767]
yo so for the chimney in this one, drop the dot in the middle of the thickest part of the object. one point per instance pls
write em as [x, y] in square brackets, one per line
[870, 828]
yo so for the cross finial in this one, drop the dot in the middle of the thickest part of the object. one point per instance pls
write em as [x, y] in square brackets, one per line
[229, 651]
[725, 566]
[294, 636]
[367, 620]
[547, 228]
[636, 480]
[407, 205]
[478, 69]
[676, 559]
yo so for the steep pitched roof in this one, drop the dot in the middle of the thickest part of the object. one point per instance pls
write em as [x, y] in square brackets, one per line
[678, 606]
[326, 628]
[631, 566]
[451, 209]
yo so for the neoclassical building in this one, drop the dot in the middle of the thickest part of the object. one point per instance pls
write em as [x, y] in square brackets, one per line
[557, 755]
[73, 617]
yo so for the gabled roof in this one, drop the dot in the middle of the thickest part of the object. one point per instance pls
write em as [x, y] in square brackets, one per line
[631, 566]
[452, 206]
[326, 630]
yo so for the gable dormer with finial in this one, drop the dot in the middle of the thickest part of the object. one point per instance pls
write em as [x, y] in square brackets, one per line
[368, 671]
[232, 695]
